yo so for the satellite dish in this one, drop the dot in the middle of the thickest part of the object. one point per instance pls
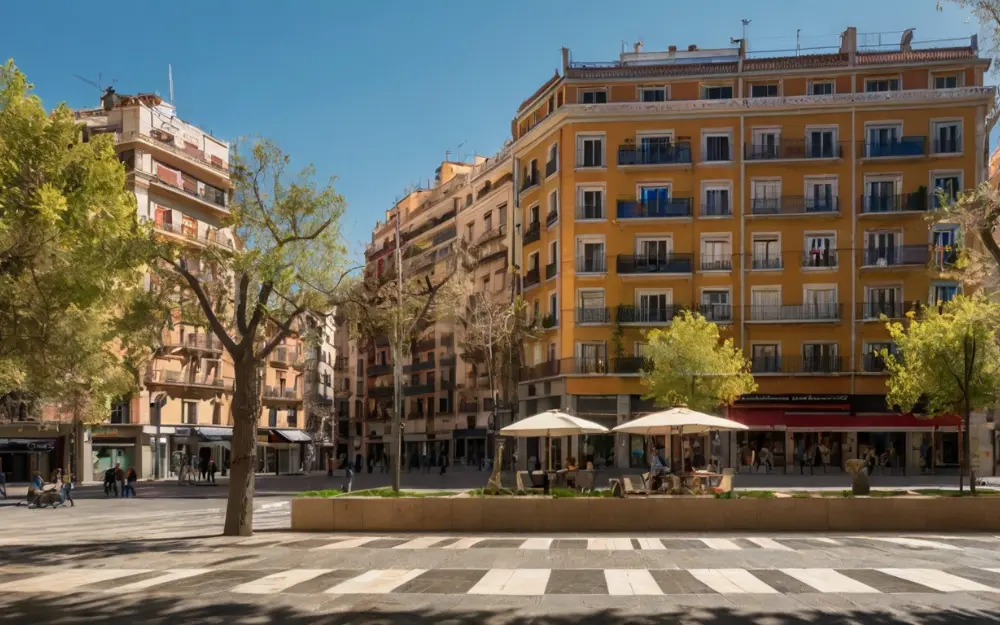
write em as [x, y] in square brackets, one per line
[906, 40]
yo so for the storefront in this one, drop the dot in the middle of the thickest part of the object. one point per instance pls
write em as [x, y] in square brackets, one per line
[21, 458]
[114, 446]
[470, 445]
[197, 444]
[281, 450]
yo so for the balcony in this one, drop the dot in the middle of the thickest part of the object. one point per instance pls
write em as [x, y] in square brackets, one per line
[445, 235]
[533, 233]
[901, 203]
[641, 264]
[285, 394]
[766, 264]
[340, 364]
[794, 205]
[904, 147]
[448, 360]
[323, 400]
[550, 168]
[493, 233]
[166, 142]
[203, 342]
[447, 340]
[377, 370]
[872, 362]
[549, 321]
[381, 391]
[424, 365]
[532, 277]
[795, 365]
[873, 310]
[551, 218]
[190, 232]
[591, 314]
[820, 259]
[676, 207]
[418, 389]
[530, 180]
[632, 154]
[551, 270]
[424, 345]
[631, 365]
[283, 356]
[180, 378]
[426, 226]
[820, 312]
[342, 392]
[899, 256]
[591, 264]
[716, 263]
[547, 369]
[468, 405]
[648, 315]
[446, 384]
[792, 150]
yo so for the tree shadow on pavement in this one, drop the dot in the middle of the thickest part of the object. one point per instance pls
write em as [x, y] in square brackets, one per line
[360, 610]
[47, 554]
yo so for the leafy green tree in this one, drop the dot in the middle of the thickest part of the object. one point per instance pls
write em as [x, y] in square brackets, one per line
[950, 359]
[72, 262]
[692, 366]
[290, 262]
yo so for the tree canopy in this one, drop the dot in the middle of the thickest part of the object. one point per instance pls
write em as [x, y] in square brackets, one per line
[692, 366]
[72, 260]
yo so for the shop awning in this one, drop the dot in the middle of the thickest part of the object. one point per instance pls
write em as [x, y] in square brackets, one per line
[832, 421]
[293, 436]
[214, 434]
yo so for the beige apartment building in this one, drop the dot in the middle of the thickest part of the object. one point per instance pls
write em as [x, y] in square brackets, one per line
[447, 403]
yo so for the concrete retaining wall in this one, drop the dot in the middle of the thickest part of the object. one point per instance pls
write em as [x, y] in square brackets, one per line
[528, 514]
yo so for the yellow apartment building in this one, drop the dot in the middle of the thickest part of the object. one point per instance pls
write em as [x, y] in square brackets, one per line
[447, 404]
[785, 198]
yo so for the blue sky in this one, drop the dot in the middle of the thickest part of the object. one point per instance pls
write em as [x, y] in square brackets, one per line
[375, 92]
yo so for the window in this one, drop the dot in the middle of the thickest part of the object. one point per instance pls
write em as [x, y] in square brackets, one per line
[820, 303]
[591, 204]
[763, 91]
[551, 354]
[442, 404]
[942, 292]
[502, 211]
[164, 217]
[553, 208]
[717, 148]
[641, 350]
[216, 414]
[821, 195]
[947, 184]
[883, 300]
[765, 358]
[654, 201]
[292, 417]
[716, 254]
[553, 259]
[554, 305]
[820, 250]
[590, 151]
[717, 92]
[820, 358]
[822, 143]
[765, 143]
[872, 359]
[881, 195]
[190, 413]
[883, 140]
[873, 85]
[119, 412]
[536, 311]
[591, 358]
[765, 197]
[882, 248]
[944, 242]
[552, 164]
[652, 307]
[716, 305]
[825, 87]
[716, 202]
[599, 96]
[590, 257]
[533, 216]
[657, 149]
[947, 137]
[766, 252]
[652, 94]
[654, 250]
[946, 82]
[533, 261]
[468, 198]
[592, 307]
[470, 232]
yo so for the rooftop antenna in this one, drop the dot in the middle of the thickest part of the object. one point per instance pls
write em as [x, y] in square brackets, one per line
[798, 43]
[746, 31]
[108, 92]
[170, 77]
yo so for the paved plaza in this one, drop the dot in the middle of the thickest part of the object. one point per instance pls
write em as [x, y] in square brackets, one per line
[161, 559]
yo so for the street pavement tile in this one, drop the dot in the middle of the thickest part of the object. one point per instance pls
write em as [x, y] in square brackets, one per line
[683, 543]
[313, 542]
[385, 543]
[443, 582]
[323, 582]
[13, 577]
[100, 584]
[803, 544]
[446, 541]
[577, 582]
[569, 543]
[884, 582]
[680, 583]
[785, 584]
[499, 543]
[218, 581]
[983, 576]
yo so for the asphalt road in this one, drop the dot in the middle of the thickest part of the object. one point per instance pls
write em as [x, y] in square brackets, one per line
[160, 560]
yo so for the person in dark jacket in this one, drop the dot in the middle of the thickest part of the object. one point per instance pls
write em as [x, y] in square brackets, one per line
[119, 480]
[212, 469]
[109, 482]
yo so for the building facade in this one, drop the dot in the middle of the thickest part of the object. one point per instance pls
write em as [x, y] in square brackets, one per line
[784, 198]
[447, 402]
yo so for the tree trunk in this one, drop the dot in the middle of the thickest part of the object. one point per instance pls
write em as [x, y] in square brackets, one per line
[967, 451]
[397, 416]
[243, 459]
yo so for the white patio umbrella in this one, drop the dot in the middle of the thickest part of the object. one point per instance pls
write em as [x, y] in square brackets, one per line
[552, 423]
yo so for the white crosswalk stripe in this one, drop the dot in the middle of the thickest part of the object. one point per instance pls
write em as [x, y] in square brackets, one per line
[166, 578]
[350, 543]
[464, 543]
[512, 582]
[723, 544]
[613, 544]
[631, 582]
[914, 542]
[654, 544]
[376, 582]
[68, 579]
[279, 581]
[939, 580]
[536, 543]
[828, 581]
[732, 581]
[768, 543]
[424, 542]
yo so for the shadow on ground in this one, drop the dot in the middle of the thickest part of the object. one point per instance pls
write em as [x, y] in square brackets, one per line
[90, 553]
[157, 609]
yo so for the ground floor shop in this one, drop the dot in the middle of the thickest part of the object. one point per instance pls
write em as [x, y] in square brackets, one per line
[41, 452]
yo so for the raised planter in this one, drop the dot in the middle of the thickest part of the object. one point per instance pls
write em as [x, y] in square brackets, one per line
[680, 514]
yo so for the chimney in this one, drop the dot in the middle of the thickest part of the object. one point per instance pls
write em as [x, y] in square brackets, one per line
[565, 55]
[672, 49]
[849, 43]
[692, 48]
[637, 47]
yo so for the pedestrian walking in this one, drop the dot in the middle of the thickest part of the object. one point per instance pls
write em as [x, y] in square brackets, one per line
[211, 469]
[444, 463]
[3, 481]
[348, 479]
[329, 465]
[109, 482]
[130, 479]
[66, 490]
[119, 480]
[204, 468]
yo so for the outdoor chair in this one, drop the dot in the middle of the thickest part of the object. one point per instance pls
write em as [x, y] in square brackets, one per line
[634, 485]
[726, 483]
[523, 479]
[571, 478]
[585, 480]
[538, 479]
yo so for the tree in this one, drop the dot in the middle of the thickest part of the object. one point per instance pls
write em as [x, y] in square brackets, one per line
[290, 262]
[72, 260]
[950, 360]
[399, 305]
[691, 366]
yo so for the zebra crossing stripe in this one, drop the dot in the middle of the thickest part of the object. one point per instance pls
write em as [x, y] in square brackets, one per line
[654, 544]
[828, 580]
[536, 543]
[166, 578]
[732, 581]
[350, 543]
[631, 582]
[612, 544]
[823, 539]
[463, 543]
[378, 582]
[279, 581]
[68, 579]
[525, 582]
[722, 544]
[914, 542]
[424, 542]
[938, 580]
[768, 543]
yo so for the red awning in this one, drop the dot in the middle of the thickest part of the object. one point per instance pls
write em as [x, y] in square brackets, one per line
[770, 418]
